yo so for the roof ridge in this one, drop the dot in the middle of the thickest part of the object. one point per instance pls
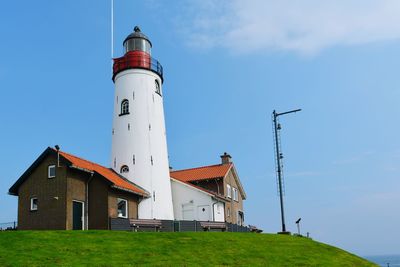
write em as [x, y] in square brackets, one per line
[201, 167]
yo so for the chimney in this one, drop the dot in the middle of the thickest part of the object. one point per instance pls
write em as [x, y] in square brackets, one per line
[225, 158]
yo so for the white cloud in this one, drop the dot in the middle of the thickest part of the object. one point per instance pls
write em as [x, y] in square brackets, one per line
[305, 26]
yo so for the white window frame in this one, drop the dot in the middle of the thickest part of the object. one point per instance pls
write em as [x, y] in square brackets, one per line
[32, 207]
[235, 194]
[124, 107]
[126, 208]
[228, 191]
[48, 171]
[158, 87]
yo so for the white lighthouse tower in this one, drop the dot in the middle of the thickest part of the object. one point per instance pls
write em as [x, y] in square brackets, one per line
[139, 145]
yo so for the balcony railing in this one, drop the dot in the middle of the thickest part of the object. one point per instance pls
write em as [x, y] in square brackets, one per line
[134, 61]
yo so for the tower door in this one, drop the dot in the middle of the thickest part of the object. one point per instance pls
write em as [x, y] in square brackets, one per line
[77, 215]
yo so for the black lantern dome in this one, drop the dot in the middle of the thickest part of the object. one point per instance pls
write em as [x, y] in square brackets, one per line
[137, 41]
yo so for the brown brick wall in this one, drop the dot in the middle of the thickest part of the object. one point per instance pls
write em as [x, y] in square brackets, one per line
[51, 198]
[56, 195]
[76, 190]
[98, 203]
[133, 202]
[233, 205]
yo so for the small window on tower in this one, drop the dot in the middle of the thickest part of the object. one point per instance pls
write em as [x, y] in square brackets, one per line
[124, 169]
[124, 107]
[158, 90]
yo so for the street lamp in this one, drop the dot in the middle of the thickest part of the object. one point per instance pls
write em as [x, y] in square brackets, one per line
[279, 156]
[298, 225]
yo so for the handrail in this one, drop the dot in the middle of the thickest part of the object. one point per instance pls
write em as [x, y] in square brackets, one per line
[137, 61]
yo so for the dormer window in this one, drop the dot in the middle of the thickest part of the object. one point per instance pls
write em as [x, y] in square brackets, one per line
[158, 89]
[124, 107]
[124, 169]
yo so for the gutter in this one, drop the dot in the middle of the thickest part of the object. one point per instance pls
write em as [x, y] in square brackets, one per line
[81, 169]
[145, 194]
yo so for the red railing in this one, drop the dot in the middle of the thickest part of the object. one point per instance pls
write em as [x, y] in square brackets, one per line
[137, 59]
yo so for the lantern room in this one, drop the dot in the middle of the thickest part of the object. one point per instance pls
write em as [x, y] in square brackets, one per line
[137, 41]
[137, 55]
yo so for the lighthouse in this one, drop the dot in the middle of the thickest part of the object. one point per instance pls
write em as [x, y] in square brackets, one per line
[139, 146]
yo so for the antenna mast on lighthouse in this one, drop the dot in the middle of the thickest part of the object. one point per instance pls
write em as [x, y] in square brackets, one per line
[112, 32]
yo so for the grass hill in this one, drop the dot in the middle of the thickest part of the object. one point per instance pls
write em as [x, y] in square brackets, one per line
[111, 248]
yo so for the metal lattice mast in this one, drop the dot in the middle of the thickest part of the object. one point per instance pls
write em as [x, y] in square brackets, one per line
[278, 161]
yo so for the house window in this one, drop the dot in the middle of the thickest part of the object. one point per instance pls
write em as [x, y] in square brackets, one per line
[51, 171]
[235, 194]
[158, 90]
[124, 169]
[228, 191]
[122, 208]
[228, 211]
[34, 203]
[124, 107]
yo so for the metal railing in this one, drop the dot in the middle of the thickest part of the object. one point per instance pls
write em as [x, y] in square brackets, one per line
[175, 226]
[137, 61]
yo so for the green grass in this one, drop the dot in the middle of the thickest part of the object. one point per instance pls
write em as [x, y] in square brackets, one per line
[112, 248]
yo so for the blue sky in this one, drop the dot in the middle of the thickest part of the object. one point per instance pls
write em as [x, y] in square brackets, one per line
[228, 65]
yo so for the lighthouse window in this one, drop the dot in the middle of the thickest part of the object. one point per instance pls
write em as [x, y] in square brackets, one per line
[158, 90]
[124, 169]
[124, 107]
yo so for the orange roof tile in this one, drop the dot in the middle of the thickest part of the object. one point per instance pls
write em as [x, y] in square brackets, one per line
[107, 173]
[201, 173]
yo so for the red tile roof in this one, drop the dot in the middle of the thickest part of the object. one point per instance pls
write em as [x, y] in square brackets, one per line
[107, 173]
[201, 173]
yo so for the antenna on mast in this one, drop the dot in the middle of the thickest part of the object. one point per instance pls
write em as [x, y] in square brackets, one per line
[112, 32]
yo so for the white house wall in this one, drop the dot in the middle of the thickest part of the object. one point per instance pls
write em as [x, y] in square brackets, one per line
[193, 204]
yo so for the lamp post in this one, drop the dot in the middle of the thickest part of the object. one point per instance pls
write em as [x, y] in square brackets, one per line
[298, 225]
[279, 156]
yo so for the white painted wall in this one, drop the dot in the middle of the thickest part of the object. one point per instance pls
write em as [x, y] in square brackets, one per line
[145, 139]
[193, 204]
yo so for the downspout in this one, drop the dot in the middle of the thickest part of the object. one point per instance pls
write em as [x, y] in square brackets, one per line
[213, 205]
[87, 200]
